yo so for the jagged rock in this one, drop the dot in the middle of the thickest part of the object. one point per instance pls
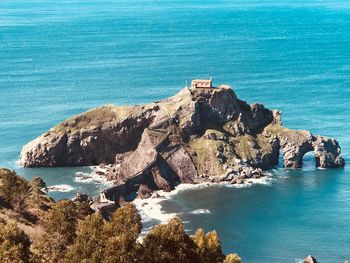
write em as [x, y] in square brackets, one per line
[156, 195]
[327, 153]
[81, 198]
[211, 136]
[295, 144]
[195, 136]
[277, 117]
[239, 181]
[257, 173]
[144, 192]
[100, 172]
[90, 138]
[310, 259]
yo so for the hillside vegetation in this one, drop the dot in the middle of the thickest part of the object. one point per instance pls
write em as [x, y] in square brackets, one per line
[71, 232]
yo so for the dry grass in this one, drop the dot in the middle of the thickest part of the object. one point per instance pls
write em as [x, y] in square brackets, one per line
[292, 135]
[98, 117]
[242, 146]
[263, 143]
[205, 159]
[34, 231]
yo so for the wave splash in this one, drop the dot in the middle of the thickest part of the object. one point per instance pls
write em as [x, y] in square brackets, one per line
[96, 175]
[60, 188]
[151, 208]
[200, 211]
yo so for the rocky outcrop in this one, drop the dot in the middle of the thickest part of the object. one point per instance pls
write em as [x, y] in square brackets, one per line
[310, 259]
[82, 198]
[327, 153]
[295, 144]
[197, 135]
[90, 138]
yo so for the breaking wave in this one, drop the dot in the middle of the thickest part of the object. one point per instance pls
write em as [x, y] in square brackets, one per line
[200, 211]
[60, 188]
[151, 208]
[92, 177]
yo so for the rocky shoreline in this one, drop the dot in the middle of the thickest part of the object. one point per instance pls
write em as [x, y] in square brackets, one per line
[198, 135]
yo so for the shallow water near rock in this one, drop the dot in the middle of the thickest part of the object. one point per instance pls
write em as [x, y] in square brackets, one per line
[60, 58]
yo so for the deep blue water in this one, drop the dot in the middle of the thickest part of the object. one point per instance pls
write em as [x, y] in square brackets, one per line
[59, 58]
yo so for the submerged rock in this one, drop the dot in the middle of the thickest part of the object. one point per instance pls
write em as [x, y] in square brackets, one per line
[310, 259]
[197, 135]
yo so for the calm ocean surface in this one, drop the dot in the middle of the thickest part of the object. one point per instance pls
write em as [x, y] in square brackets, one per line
[59, 58]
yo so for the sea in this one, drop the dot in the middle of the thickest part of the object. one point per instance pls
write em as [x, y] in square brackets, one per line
[62, 57]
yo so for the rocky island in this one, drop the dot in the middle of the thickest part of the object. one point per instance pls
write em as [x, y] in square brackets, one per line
[202, 134]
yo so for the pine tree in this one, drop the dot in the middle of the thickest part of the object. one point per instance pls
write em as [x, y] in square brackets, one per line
[122, 232]
[125, 220]
[14, 244]
[37, 183]
[60, 226]
[209, 247]
[169, 243]
[89, 243]
[14, 191]
[232, 258]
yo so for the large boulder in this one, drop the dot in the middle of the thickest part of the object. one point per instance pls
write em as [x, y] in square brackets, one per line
[327, 153]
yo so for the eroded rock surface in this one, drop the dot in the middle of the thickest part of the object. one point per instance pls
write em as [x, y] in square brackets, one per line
[197, 135]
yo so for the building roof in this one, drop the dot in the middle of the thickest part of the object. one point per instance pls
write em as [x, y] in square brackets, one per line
[202, 80]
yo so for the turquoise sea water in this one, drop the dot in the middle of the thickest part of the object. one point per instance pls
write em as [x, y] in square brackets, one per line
[59, 58]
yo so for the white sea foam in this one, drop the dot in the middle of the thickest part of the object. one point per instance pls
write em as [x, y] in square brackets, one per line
[16, 162]
[92, 177]
[200, 211]
[151, 208]
[60, 188]
[266, 180]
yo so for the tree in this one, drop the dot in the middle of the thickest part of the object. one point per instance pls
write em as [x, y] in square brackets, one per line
[14, 191]
[122, 232]
[232, 258]
[114, 241]
[122, 249]
[83, 210]
[169, 243]
[60, 225]
[37, 183]
[62, 219]
[89, 243]
[125, 220]
[14, 244]
[209, 247]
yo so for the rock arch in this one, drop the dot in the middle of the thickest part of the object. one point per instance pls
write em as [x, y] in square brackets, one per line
[295, 145]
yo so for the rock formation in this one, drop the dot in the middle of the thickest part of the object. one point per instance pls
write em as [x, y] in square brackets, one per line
[197, 135]
[310, 259]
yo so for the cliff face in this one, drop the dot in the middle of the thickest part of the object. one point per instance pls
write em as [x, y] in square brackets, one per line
[196, 135]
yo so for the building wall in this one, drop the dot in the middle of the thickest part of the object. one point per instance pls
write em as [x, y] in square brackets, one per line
[201, 84]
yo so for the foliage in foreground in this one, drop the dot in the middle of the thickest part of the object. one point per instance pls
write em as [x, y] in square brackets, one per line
[24, 199]
[71, 233]
[14, 244]
[93, 239]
